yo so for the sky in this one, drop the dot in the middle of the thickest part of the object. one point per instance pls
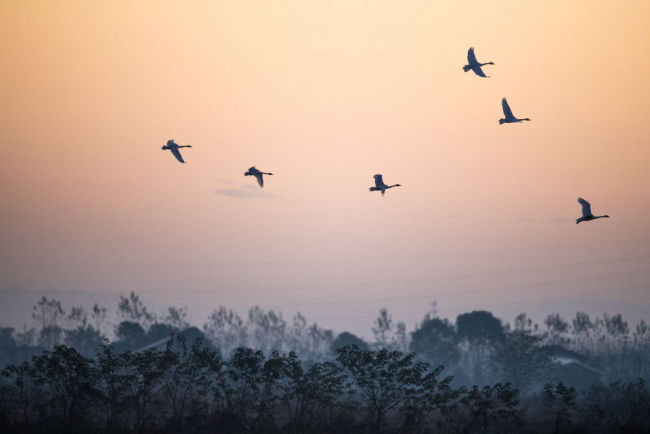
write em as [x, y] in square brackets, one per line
[324, 94]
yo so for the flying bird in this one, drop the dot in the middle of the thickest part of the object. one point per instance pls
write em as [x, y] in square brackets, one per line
[379, 185]
[172, 146]
[586, 212]
[257, 174]
[509, 117]
[472, 64]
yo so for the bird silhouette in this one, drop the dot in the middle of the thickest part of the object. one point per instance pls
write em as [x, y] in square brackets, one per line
[474, 65]
[380, 186]
[509, 117]
[257, 174]
[586, 212]
[173, 147]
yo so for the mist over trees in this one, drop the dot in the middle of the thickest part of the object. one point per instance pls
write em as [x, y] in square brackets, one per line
[74, 371]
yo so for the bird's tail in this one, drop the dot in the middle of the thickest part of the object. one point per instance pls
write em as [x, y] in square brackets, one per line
[466, 68]
[373, 188]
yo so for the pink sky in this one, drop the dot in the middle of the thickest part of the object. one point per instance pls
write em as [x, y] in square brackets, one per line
[325, 95]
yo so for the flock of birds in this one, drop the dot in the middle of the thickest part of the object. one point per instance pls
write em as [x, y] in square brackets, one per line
[472, 65]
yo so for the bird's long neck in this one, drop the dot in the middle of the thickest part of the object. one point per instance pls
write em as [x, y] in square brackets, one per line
[391, 186]
[487, 63]
[524, 119]
[184, 146]
[601, 217]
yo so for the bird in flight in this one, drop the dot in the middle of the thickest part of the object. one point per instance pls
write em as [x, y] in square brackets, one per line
[586, 212]
[472, 64]
[257, 174]
[380, 186]
[172, 146]
[509, 117]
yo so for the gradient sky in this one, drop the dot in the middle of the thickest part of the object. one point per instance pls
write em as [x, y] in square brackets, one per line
[325, 94]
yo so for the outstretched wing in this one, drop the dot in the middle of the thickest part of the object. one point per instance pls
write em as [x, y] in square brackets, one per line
[478, 71]
[471, 57]
[177, 154]
[586, 207]
[260, 179]
[506, 109]
[378, 181]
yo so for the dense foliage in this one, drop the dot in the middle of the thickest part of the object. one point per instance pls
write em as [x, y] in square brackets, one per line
[157, 373]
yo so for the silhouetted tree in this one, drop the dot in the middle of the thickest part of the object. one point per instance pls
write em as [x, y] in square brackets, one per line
[521, 359]
[193, 376]
[48, 313]
[348, 339]
[388, 334]
[23, 392]
[478, 332]
[249, 392]
[619, 407]
[435, 340]
[561, 400]
[130, 335]
[524, 324]
[69, 380]
[113, 385]
[384, 379]
[145, 372]
[482, 407]
[556, 329]
[133, 310]
[226, 330]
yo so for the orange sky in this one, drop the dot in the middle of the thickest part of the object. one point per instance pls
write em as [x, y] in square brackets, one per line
[325, 94]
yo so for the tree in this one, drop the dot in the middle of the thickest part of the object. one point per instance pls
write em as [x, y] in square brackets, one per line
[144, 373]
[160, 331]
[249, 392]
[521, 358]
[348, 339]
[98, 315]
[266, 330]
[479, 326]
[619, 407]
[387, 334]
[48, 312]
[85, 339]
[132, 309]
[383, 378]
[113, 385]
[556, 329]
[561, 400]
[226, 330]
[24, 392]
[311, 341]
[479, 332]
[7, 346]
[489, 405]
[525, 324]
[177, 317]
[130, 334]
[70, 382]
[435, 340]
[190, 379]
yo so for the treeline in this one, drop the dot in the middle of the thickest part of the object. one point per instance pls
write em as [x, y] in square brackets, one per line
[188, 387]
[476, 349]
